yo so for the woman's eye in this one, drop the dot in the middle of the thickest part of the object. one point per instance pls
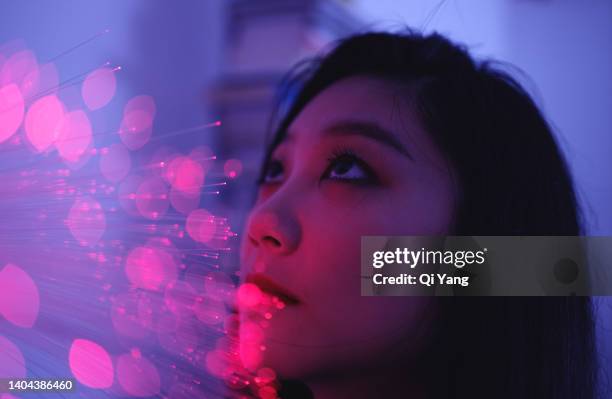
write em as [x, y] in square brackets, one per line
[347, 167]
[274, 173]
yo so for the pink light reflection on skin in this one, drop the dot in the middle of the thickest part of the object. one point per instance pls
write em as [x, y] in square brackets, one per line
[251, 341]
[86, 221]
[115, 162]
[11, 111]
[99, 88]
[90, 364]
[12, 363]
[19, 297]
[137, 375]
[43, 122]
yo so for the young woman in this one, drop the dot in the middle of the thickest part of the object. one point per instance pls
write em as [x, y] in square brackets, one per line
[405, 134]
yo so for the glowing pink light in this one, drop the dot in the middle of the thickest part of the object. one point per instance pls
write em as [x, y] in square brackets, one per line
[232, 168]
[251, 354]
[11, 111]
[201, 225]
[21, 69]
[74, 136]
[184, 203]
[137, 124]
[115, 163]
[209, 310]
[12, 363]
[126, 318]
[43, 122]
[141, 103]
[251, 333]
[145, 269]
[265, 376]
[47, 77]
[180, 297]
[183, 340]
[137, 376]
[90, 364]
[186, 176]
[185, 391]
[127, 194]
[249, 295]
[99, 88]
[86, 221]
[220, 286]
[204, 156]
[136, 128]
[267, 392]
[219, 363]
[152, 198]
[160, 159]
[19, 297]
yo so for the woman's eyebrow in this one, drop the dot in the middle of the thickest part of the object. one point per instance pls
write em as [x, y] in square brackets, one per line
[370, 130]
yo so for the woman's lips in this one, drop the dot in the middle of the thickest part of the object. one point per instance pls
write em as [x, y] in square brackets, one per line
[272, 288]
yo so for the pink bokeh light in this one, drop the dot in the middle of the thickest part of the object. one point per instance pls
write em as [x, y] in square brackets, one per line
[186, 176]
[126, 318]
[90, 364]
[99, 88]
[149, 268]
[201, 225]
[75, 136]
[19, 298]
[11, 110]
[127, 194]
[152, 198]
[137, 123]
[44, 121]
[21, 68]
[184, 203]
[137, 375]
[12, 363]
[115, 162]
[86, 220]
[232, 168]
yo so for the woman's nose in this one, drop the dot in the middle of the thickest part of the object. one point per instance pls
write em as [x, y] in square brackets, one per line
[273, 231]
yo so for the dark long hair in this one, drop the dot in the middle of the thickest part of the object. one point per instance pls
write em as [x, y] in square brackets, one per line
[513, 180]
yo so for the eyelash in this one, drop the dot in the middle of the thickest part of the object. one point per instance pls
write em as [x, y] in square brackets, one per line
[347, 154]
[340, 153]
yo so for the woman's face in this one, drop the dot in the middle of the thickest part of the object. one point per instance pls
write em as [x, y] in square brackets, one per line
[354, 162]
